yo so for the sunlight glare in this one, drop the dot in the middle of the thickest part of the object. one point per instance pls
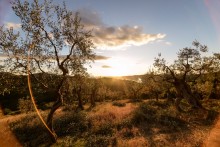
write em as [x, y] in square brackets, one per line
[118, 66]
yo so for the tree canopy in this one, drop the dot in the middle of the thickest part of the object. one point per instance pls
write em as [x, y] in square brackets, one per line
[188, 67]
[52, 40]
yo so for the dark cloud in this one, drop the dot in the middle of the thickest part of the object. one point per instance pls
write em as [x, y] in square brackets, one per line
[4, 8]
[106, 66]
[114, 37]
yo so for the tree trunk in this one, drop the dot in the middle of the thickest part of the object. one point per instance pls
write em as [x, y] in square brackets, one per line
[213, 93]
[157, 96]
[177, 103]
[55, 106]
[184, 91]
[169, 96]
[80, 104]
[92, 98]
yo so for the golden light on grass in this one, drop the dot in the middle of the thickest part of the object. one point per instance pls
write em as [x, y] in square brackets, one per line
[133, 142]
[107, 113]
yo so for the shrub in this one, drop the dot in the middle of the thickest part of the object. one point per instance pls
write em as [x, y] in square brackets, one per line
[7, 111]
[98, 141]
[69, 141]
[119, 104]
[25, 105]
[30, 131]
[144, 113]
[126, 123]
[105, 129]
[158, 114]
[71, 124]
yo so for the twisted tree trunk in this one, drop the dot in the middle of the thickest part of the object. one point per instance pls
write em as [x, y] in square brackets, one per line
[56, 105]
[184, 92]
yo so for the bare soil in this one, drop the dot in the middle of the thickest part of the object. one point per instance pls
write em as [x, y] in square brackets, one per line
[213, 139]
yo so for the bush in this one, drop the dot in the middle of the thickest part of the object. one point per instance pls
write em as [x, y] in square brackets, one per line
[105, 130]
[30, 131]
[7, 111]
[98, 141]
[25, 105]
[144, 113]
[119, 104]
[158, 114]
[69, 141]
[71, 124]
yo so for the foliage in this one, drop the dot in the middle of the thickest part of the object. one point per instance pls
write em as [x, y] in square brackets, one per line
[25, 105]
[186, 69]
[54, 40]
[134, 89]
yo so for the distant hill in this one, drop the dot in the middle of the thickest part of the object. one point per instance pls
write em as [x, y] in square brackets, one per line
[131, 77]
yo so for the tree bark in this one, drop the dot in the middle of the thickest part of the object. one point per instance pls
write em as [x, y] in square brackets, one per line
[184, 91]
[55, 106]
[80, 104]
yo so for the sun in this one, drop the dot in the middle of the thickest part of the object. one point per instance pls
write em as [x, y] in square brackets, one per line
[118, 66]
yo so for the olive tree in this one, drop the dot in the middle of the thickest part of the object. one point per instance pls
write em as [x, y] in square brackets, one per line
[77, 89]
[214, 73]
[134, 89]
[94, 85]
[186, 69]
[55, 41]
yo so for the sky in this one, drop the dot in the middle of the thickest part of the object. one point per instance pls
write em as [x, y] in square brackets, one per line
[129, 34]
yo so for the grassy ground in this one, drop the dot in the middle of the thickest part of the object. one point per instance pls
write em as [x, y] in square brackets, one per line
[122, 124]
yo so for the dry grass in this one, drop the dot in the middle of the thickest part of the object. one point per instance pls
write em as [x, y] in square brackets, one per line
[148, 123]
[133, 142]
[107, 113]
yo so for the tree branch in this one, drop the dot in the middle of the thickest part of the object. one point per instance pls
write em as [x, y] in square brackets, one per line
[54, 46]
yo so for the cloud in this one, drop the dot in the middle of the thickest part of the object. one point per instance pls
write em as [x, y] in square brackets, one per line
[100, 57]
[164, 42]
[114, 37]
[4, 8]
[106, 66]
[168, 43]
[14, 25]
